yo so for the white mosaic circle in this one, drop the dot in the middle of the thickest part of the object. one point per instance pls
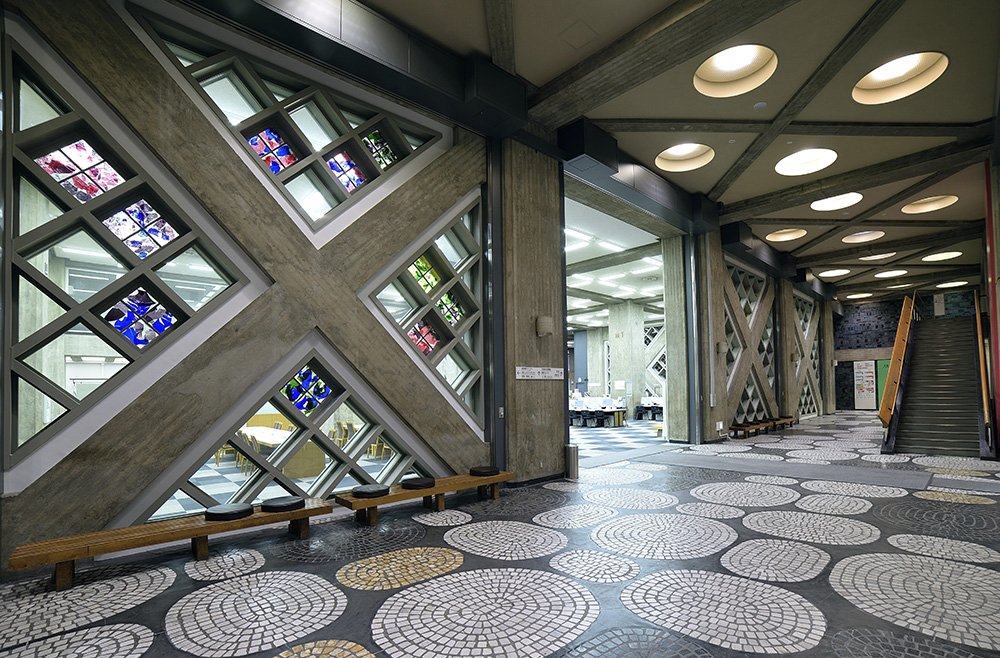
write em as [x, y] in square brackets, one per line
[844, 443]
[505, 540]
[253, 613]
[771, 479]
[854, 489]
[816, 528]
[949, 549]
[663, 536]
[631, 498]
[225, 565]
[753, 455]
[823, 454]
[728, 611]
[745, 494]
[648, 467]
[886, 459]
[487, 613]
[717, 448]
[963, 491]
[112, 641]
[963, 463]
[444, 518]
[30, 610]
[784, 445]
[949, 600]
[595, 566]
[814, 462]
[775, 560]
[878, 643]
[605, 476]
[710, 510]
[574, 516]
[870, 451]
[568, 487]
[833, 504]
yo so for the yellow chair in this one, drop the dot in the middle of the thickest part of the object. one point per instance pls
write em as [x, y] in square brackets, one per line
[220, 454]
[340, 438]
[350, 432]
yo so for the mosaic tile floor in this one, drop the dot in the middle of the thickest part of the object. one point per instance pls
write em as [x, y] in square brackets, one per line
[638, 559]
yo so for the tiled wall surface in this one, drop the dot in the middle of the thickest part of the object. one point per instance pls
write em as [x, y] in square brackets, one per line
[844, 376]
[956, 305]
[866, 326]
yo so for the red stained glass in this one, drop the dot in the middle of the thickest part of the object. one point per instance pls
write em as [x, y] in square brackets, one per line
[105, 176]
[57, 165]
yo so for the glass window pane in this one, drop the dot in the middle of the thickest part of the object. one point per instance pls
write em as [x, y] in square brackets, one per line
[140, 228]
[35, 107]
[35, 309]
[280, 92]
[35, 410]
[452, 370]
[395, 302]
[312, 194]
[311, 120]
[34, 208]
[271, 148]
[80, 170]
[344, 425]
[380, 454]
[452, 248]
[193, 277]
[224, 473]
[77, 251]
[381, 152]
[185, 56]
[232, 96]
[307, 464]
[355, 115]
[414, 141]
[346, 171]
[78, 361]
[180, 504]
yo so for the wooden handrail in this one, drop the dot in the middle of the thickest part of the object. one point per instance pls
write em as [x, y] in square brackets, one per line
[982, 365]
[888, 402]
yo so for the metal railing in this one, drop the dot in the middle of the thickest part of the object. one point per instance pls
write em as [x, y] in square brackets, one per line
[888, 402]
[987, 449]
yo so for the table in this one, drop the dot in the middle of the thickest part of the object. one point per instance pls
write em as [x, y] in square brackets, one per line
[309, 461]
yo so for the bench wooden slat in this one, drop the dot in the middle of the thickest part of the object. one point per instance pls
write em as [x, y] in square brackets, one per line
[441, 486]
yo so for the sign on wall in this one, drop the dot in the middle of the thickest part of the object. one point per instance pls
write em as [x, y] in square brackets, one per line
[864, 385]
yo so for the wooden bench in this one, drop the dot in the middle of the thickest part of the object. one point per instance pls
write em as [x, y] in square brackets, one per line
[785, 421]
[746, 428]
[63, 552]
[658, 428]
[366, 509]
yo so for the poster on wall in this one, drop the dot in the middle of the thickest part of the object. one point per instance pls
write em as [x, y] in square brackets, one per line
[864, 385]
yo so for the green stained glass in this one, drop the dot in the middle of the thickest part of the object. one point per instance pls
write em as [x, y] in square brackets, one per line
[424, 273]
[380, 149]
[451, 308]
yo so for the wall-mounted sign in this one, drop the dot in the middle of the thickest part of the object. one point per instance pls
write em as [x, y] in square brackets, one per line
[864, 385]
[529, 372]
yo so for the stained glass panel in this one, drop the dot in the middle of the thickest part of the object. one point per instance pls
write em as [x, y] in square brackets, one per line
[34, 207]
[35, 410]
[141, 228]
[451, 308]
[273, 151]
[380, 149]
[80, 170]
[346, 171]
[424, 337]
[306, 390]
[139, 318]
[424, 273]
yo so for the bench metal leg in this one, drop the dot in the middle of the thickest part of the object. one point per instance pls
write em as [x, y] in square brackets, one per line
[63, 577]
[199, 546]
[428, 501]
[439, 502]
[299, 528]
[482, 491]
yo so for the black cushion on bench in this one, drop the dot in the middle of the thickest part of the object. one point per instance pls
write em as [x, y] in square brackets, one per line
[283, 504]
[370, 491]
[481, 471]
[418, 483]
[228, 512]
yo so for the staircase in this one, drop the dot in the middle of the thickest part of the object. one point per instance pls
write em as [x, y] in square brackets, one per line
[939, 411]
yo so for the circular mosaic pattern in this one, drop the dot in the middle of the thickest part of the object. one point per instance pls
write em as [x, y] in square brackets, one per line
[816, 528]
[29, 610]
[870, 451]
[595, 566]
[945, 599]
[252, 613]
[468, 612]
[814, 462]
[113, 641]
[717, 448]
[631, 498]
[606, 476]
[775, 560]
[833, 504]
[961, 463]
[648, 467]
[334, 542]
[708, 474]
[745, 494]
[958, 471]
[973, 522]
[876, 643]
[505, 540]
[327, 649]
[574, 516]
[963, 491]
[771, 479]
[967, 478]
[637, 643]
[663, 536]
[824, 454]
[945, 497]
[711, 510]
[444, 518]
[753, 455]
[728, 611]
[886, 459]
[568, 487]
[842, 443]
[784, 445]
[399, 568]
[950, 549]
[853, 489]
[226, 565]
[517, 502]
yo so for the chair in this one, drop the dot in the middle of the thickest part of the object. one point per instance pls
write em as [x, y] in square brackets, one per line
[241, 460]
[220, 454]
[339, 435]
[350, 432]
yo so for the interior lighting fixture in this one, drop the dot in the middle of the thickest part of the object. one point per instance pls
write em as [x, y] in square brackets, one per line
[685, 157]
[610, 246]
[832, 273]
[575, 246]
[859, 295]
[612, 277]
[930, 204]
[785, 235]
[573, 233]
[889, 274]
[806, 161]
[735, 71]
[609, 284]
[944, 255]
[899, 78]
[653, 260]
[627, 288]
[603, 313]
[878, 256]
[582, 303]
[898, 285]
[862, 236]
[838, 202]
[952, 284]
[644, 270]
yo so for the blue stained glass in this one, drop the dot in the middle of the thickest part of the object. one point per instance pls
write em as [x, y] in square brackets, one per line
[273, 139]
[141, 244]
[162, 232]
[355, 177]
[335, 166]
[320, 391]
[273, 165]
[140, 301]
[120, 316]
[121, 225]
[282, 151]
[307, 377]
[140, 334]
[307, 403]
[142, 212]
[160, 319]
[258, 145]
[293, 391]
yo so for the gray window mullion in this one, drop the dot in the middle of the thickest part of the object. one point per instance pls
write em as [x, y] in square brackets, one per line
[63, 122]
[41, 281]
[193, 491]
[43, 384]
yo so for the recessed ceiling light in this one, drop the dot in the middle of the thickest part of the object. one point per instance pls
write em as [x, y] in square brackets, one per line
[862, 236]
[806, 161]
[785, 235]
[685, 157]
[573, 233]
[603, 313]
[878, 256]
[833, 273]
[953, 284]
[888, 274]
[898, 285]
[643, 270]
[581, 303]
[612, 277]
[899, 78]
[944, 255]
[609, 284]
[627, 288]
[859, 295]
[575, 246]
[610, 246]
[735, 71]
[838, 202]
[930, 204]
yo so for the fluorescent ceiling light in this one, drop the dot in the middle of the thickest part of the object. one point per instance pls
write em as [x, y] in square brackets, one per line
[878, 256]
[627, 288]
[651, 291]
[898, 285]
[952, 284]
[609, 284]
[653, 260]
[833, 273]
[603, 313]
[863, 236]
[612, 277]
[610, 246]
[573, 233]
[930, 204]
[582, 303]
[859, 295]
[888, 274]
[85, 252]
[644, 270]
[899, 78]
[838, 202]
[944, 255]
[786, 235]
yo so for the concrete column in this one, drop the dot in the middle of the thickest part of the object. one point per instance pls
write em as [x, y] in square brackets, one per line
[788, 390]
[675, 404]
[712, 322]
[828, 379]
[595, 361]
[628, 359]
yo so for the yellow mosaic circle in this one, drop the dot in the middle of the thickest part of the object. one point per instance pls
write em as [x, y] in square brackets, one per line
[946, 497]
[399, 568]
[327, 649]
[957, 471]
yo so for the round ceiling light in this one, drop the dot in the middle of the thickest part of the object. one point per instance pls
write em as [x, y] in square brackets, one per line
[899, 78]
[863, 236]
[685, 157]
[735, 71]
[806, 161]
[944, 255]
[859, 295]
[930, 204]
[889, 274]
[838, 202]
[953, 284]
[832, 273]
[785, 235]
[878, 256]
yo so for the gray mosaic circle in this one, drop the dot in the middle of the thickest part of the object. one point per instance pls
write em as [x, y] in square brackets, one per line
[648, 467]
[950, 549]
[745, 494]
[505, 540]
[963, 491]
[833, 504]
[229, 564]
[444, 518]
[568, 487]
[814, 462]
[112, 641]
[663, 536]
[963, 463]
[928, 517]
[332, 542]
[30, 610]
[717, 448]
[605, 476]
[948, 600]
[595, 566]
[854, 489]
[708, 474]
[517, 502]
[631, 498]
[886, 459]
[710, 510]
[824, 454]
[816, 528]
[637, 643]
[775, 560]
[485, 612]
[253, 613]
[574, 516]
[785, 446]
[753, 455]
[728, 611]
[870, 451]
[877, 643]
[771, 479]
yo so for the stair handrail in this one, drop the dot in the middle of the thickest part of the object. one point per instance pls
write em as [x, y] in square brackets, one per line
[987, 434]
[888, 402]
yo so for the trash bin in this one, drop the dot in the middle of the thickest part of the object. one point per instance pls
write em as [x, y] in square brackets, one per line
[572, 462]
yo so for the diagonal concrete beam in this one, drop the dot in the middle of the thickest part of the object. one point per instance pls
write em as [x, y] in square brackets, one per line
[920, 280]
[961, 131]
[611, 260]
[500, 27]
[930, 240]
